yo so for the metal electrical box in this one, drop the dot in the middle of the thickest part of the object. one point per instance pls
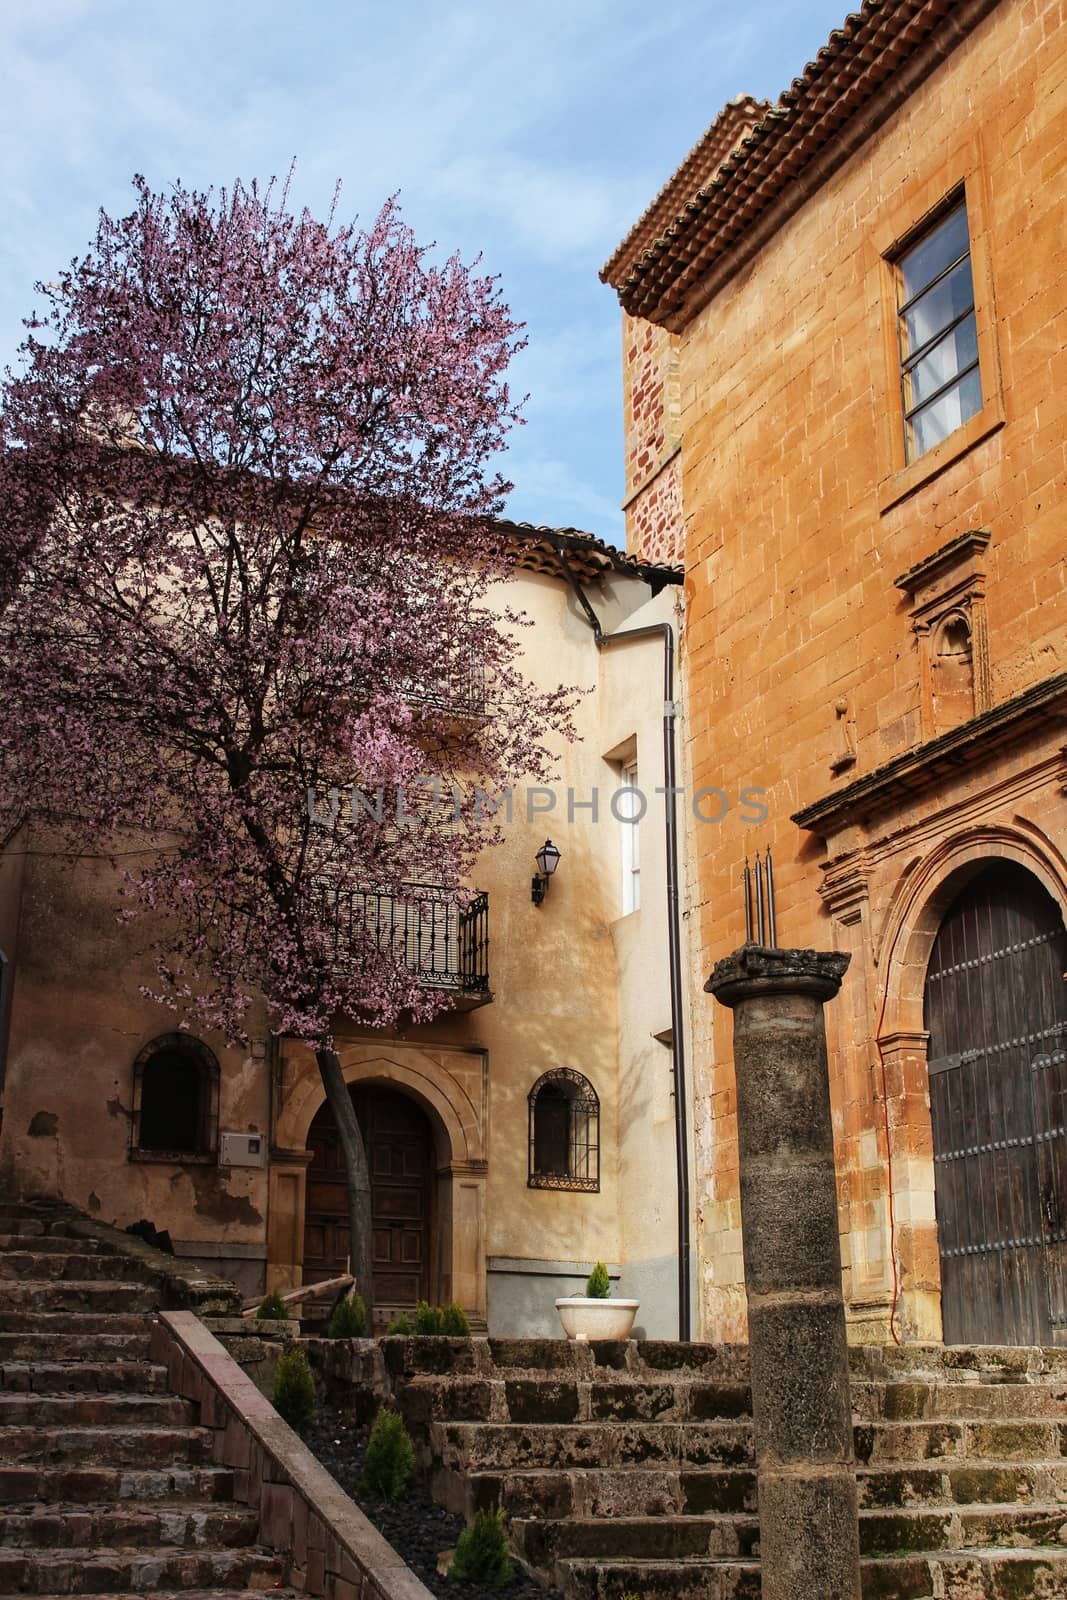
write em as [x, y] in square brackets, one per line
[242, 1150]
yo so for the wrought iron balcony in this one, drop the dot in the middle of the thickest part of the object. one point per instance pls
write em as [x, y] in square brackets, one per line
[440, 936]
[461, 687]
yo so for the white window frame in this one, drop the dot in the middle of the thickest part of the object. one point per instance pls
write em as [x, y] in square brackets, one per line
[629, 805]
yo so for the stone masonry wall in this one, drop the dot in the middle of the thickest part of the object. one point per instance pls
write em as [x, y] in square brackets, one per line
[803, 664]
[653, 470]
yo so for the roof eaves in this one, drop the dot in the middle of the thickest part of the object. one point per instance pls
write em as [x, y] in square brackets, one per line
[858, 61]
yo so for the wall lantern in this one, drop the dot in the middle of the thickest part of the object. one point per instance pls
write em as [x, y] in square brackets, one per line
[547, 859]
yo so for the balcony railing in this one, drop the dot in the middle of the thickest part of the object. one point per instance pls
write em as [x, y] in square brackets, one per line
[442, 937]
[461, 686]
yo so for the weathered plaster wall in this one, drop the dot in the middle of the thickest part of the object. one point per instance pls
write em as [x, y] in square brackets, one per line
[78, 1022]
[799, 519]
[574, 985]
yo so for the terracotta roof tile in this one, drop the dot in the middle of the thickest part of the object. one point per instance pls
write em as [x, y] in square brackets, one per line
[700, 165]
[590, 558]
[864, 58]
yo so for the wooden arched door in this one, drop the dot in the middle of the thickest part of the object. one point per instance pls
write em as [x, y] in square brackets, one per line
[996, 1012]
[399, 1141]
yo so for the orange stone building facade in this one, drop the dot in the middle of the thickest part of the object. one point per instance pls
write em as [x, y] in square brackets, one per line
[846, 387]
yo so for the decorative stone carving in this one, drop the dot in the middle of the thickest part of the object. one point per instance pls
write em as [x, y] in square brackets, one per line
[947, 593]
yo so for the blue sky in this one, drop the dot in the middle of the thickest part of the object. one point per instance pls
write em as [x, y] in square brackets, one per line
[534, 136]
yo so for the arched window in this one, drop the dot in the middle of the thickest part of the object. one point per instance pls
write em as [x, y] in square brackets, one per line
[564, 1132]
[175, 1100]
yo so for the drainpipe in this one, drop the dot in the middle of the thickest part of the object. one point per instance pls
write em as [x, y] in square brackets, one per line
[664, 631]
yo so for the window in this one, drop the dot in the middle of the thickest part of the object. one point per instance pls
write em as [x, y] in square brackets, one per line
[628, 809]
[940, 382]
[175, 1100]
[564, 1132]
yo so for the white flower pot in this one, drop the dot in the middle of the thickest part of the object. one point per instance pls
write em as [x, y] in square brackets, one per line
[583, 1318]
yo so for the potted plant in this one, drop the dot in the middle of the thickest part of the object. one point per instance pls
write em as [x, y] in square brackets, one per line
[594, 1314]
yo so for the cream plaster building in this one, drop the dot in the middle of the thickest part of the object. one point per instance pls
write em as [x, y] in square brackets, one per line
[527, 1132]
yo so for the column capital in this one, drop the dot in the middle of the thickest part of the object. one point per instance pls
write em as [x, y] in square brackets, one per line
[757, 969]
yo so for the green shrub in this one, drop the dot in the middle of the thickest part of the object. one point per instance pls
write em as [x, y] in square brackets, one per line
[454, 1321]
[482, 1553]
[598, 1285]
[427, 1318]
[271, 1308]
[294, 1388]
[348, 1319]
[399, 1325]
[390, 1458]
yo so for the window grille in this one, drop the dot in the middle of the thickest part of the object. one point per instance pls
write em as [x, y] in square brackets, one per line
[564, 1132]
[175, 1100]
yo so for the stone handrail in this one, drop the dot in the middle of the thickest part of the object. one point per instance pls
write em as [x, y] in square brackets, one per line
[333, 1550]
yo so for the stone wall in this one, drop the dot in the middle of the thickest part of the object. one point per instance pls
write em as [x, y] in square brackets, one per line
[805, 655]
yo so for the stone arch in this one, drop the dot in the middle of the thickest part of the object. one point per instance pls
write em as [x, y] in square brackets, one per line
[915, 913]
[457, 1119]
[922, 898]
[450, 1108]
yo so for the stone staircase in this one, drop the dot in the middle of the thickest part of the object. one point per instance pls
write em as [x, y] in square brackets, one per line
[628, 1468]
[106, 1482]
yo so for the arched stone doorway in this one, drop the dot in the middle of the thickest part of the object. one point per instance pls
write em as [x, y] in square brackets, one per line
[449, 1087]
[400, 1154]
[995, 1010]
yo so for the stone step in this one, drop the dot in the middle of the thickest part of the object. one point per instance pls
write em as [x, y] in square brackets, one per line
[25, 1347]
[482, 1445]
[914, 1402]
[962, 1528]
[33, 1266]
[986, 1363]
[13, 1224]
[47, 1243]
[918, 1443]
[77, 1295]
[83, 1485]
[426, 1398]
[103, 1377]
[950, 1575]
[94, 1411]
[73, 1324]
[554, 1359]
[135, 1447]
[89, 1526]
[543, 1543]
[967, 1575]
[601, 1492]
[103, 1571]
[584, 1579]
[1021, 1483]
[604, 1492]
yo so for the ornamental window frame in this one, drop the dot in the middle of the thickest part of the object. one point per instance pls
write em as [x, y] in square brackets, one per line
[955, 177]
[580, 1160]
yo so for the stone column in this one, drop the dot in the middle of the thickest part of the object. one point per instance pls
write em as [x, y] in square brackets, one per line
[809, 1538]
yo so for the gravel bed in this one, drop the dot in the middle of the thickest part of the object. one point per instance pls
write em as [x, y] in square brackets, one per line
[416, 1528]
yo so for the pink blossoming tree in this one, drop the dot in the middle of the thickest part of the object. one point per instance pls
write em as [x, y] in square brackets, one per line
[246, 552]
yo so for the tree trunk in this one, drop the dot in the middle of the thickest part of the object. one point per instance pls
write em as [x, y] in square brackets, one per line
[357, 1174]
